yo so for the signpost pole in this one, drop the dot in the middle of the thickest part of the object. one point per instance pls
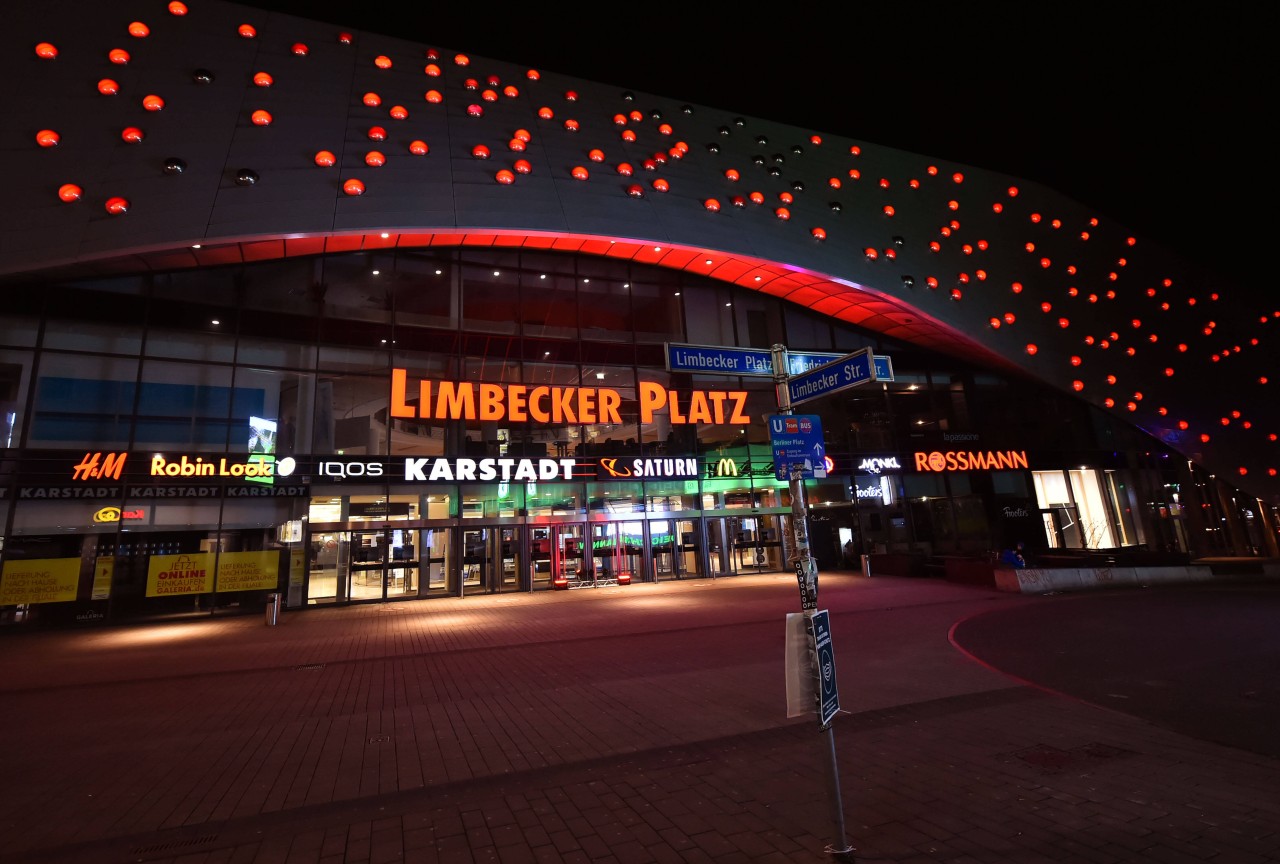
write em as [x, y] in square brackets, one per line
[807, 575]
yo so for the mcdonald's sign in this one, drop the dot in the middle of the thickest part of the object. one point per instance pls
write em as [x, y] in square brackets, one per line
[724, 467]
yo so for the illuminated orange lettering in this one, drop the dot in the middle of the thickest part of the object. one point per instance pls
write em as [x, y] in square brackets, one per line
[400, 406]
[674, 401]
[516, 397]
[717, 398]
[740, 415]
[609, 402]
[922, 461]
[457, 401]
[491, 407]
[586, 405]
[536, 397]
[699, 410]
[652, 397]
[562, 405]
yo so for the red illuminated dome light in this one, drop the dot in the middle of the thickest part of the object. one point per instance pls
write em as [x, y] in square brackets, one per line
[300, 50]
[418, 148]
[580, 173]
[247, 31]
[505, 177]
[353, 187]
[712, 204]
[138, 30]
[522, 166]
[48, 138]
[70, 192]
[261, 118]
[117, 205]
[433, 96]
[326, 159]
[375, 159]
[153, 103]
[382, 61]
[118, 56]
[46, 51]
[177, 8]
[262, 79]
[107, 87]
[372, 100]
[132, 135]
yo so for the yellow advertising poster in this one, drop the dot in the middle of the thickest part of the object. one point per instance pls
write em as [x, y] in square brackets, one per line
[103, 569]
[179, 574]
[297, 567]
[40, 580]
[248, 571]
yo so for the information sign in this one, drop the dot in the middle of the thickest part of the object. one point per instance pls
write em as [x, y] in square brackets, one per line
[828, 695]
[797, 441]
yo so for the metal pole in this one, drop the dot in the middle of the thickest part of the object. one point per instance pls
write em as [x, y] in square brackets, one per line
[807, 575]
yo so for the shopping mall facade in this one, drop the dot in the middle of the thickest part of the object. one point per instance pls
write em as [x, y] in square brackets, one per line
[524, 352]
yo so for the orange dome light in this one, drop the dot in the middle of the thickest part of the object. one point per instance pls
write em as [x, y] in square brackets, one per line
[46, 51]
[353, 187]
[70, 192]
[326, 159]
[138, 30]
[48, 138]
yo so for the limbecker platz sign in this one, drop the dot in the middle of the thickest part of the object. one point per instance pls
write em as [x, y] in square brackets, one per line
[530, 403]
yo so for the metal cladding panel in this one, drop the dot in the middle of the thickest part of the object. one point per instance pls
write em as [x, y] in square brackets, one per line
[958, 246]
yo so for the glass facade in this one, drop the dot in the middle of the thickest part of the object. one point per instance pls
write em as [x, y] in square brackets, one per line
[415, 423]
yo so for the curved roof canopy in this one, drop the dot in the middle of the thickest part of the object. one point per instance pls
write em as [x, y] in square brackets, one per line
[144, 135]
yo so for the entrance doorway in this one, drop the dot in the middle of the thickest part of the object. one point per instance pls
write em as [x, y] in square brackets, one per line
[617, 552]
[381, 563]
[556, 555]
[490, 559]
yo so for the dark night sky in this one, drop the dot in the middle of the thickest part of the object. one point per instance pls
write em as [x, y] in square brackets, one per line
[1153, 116]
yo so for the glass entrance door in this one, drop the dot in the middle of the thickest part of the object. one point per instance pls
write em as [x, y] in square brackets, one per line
[565, 564]
[438, 568]
[722, 537]
[616, 551]
[367, 554]
[490, 559]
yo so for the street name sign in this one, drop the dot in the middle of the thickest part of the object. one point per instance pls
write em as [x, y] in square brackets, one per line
[725, 360]
[848, 371]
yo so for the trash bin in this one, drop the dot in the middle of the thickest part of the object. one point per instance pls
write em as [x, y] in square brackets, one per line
[274, 605]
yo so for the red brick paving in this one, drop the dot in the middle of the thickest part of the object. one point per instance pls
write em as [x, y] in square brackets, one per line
[617, 726]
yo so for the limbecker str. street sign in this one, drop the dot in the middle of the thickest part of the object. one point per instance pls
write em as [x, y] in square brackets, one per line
[725, 360]
[849, 371]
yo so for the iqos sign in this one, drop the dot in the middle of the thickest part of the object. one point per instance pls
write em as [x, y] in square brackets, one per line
[351, 468]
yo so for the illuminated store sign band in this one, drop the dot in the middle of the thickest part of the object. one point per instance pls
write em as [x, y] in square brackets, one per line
[971, 460]
[525, 403]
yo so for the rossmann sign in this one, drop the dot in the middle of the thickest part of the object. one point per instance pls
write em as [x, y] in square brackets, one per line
[544, 404]
[970, 460]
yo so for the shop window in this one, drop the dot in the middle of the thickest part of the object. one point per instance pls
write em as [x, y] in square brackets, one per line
[73, 410]
[708, 315]
[490, 294]
[656, 306]
[548, 296]
[106, 338]
[14, 366]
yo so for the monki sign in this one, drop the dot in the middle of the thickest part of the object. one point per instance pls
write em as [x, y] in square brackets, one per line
[522, 403]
